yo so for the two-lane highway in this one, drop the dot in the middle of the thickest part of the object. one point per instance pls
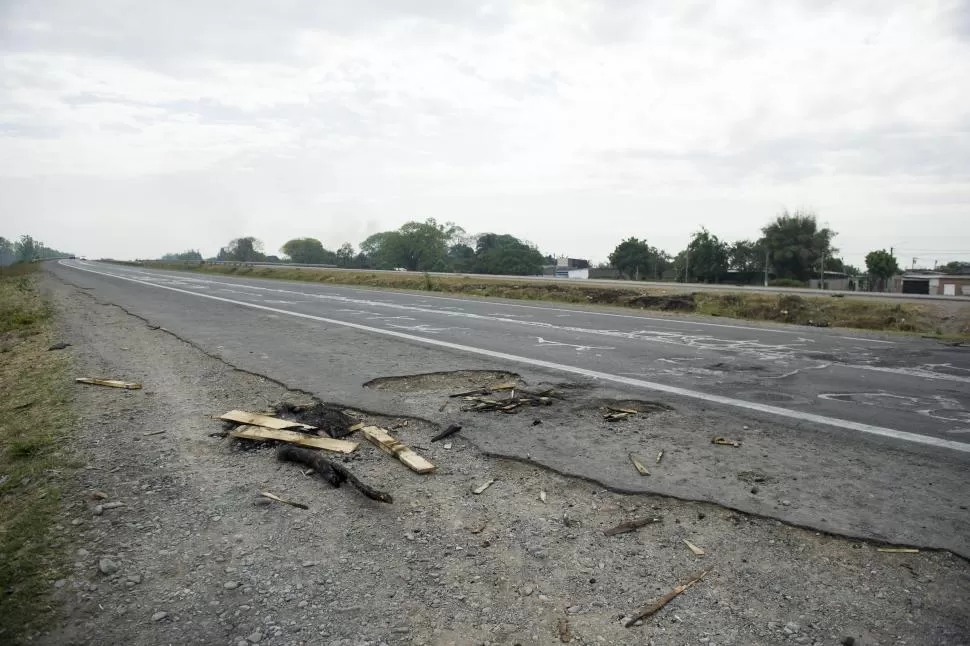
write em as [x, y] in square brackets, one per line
[912, 390]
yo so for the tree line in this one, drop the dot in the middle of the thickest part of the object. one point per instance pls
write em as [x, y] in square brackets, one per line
[792, 249]
[415, 246]
[26, 249]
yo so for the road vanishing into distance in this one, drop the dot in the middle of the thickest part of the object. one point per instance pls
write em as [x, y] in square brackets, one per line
[913, 389]
[858, 434]
[640, 284]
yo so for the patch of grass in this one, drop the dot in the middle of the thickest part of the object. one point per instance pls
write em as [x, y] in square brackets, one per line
[822, 310]
[35, 415]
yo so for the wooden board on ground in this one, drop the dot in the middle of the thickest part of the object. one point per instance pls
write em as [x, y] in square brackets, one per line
[292, 437]
[111, 383]
[255, 419]
[387, 443]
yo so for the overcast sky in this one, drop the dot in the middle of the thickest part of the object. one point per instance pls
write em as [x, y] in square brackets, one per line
[132, 128]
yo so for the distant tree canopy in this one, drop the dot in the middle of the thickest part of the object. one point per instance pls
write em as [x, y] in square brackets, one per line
[881, 264]
[248, 249]
[505, 254]
[708, 257]
[26, 249]
[416, 246]
[191, 254]
[797, 245]
[635, 259]
[955, 267]
[308, 251]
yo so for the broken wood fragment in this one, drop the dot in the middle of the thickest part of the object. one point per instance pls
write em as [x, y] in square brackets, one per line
[292, 437]
[660, 456]
[333, 472]
[615, 417]
[482, 487]
[390, 445]
[255, 419]
[507, 385]
[641, 469]
[898, 550]
[111, 383]
[451, 430]
[153, 433]
[628, 411]
[693, 548]
[542, 495]
[271, 496]
[650, 609]
[356, 427]
[470, 393]
[637, 523]
[723, 441]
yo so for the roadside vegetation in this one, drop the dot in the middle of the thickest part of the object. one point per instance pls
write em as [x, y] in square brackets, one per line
[36, 415]
[821, 311]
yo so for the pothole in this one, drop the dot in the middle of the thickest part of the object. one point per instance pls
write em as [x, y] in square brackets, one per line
[456, 381]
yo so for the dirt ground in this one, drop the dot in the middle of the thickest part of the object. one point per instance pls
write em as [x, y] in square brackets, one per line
[195, 557]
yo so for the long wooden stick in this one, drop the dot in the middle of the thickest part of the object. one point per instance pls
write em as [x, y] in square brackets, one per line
[333, 472]
[648, 610]
[632, 525]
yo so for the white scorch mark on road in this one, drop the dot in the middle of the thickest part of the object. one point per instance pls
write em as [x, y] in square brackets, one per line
[579, 348]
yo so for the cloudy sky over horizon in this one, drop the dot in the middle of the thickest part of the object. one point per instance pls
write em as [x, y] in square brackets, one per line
[131, 129]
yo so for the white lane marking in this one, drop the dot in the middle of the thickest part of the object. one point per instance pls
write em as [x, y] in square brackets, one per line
[592, 374]
[750, 328]
[858, 338]
[761, 351]
[699, 341]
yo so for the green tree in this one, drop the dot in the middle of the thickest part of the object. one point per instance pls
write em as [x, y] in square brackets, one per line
[345, 255]
[7, 254]
[308, 251]
[462, 258]
[708, 257]
[747, 259]
[881, 265]
[190, 255]
[635, 258]
[505, 254]
[416, 246]
[26, 248]
[248, 249]
[797, 244]
[955, 267]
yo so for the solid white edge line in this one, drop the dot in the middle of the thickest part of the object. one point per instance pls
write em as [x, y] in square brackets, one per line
[593, 374]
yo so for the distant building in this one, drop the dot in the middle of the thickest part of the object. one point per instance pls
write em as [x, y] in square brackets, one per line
[931, 282]
[834, 280]
[576, 268]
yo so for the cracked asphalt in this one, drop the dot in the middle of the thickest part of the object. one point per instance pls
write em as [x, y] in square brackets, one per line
[854, 434]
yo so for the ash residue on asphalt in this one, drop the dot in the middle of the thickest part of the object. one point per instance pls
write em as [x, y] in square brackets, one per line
[456, 380]
[195, 556]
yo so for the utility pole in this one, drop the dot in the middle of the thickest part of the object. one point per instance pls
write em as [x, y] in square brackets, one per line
[687, 265]
[821, 273]
[766, 267]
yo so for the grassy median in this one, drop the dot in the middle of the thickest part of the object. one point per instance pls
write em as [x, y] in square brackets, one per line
[931, 317]
[36, 415]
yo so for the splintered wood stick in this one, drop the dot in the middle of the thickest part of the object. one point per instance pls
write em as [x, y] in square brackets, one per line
[623, 528]
[648, 610]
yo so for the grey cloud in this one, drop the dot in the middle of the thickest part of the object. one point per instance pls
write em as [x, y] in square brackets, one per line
[175, 33]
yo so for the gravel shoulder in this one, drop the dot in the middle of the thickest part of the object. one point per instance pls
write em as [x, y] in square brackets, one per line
[193, 557]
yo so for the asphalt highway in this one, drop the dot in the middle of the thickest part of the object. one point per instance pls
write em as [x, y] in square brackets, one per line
[863, 435]
[906, 389]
